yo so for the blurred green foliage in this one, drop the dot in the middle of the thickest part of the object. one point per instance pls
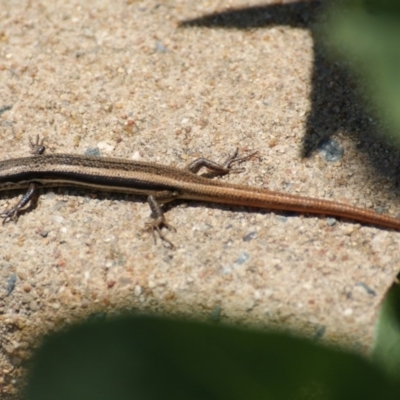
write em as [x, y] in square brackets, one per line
[367, 34]
[386, 351]
[157, 358]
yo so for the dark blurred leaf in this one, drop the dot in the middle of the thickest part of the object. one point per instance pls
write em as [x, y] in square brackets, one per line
[387, 336]
[153, 358]
[382, 6]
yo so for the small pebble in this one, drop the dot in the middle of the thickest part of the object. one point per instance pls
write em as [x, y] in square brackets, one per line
[93, 151]
[26, 287]
[330, 150]
[11, 283]
[250, 236]
[4, 109]
[347, 312]
[137, 290]
[367, 288]
[26, 298]
[105, 147]
[110, 283]
[33, 305]
[215, 314]
[320, 332]
[58, 219]
[331, 221]
[160, 47]
[44, 233]
[243, 257]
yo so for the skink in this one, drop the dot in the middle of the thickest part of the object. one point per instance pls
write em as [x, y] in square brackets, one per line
[161, 184]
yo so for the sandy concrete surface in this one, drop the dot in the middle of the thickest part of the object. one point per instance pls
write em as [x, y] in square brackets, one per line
[170, 81]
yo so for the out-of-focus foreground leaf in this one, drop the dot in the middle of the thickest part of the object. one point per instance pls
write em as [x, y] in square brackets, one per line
[387, 336]
[153, 358]
[367, 32]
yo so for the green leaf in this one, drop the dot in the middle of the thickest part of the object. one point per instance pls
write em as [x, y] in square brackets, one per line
[155, 358]
[386, 349]
[367, 33]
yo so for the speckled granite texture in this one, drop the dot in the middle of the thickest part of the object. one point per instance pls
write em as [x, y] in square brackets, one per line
[169, 82]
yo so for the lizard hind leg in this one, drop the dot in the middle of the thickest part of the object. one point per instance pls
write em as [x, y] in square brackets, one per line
[158, 219]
